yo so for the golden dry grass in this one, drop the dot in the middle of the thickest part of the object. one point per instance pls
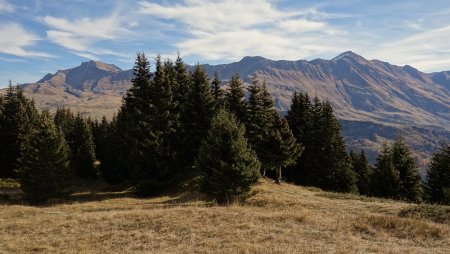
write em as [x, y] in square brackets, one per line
[277, 219]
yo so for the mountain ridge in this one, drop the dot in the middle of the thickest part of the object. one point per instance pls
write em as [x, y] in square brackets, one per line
[373, 98]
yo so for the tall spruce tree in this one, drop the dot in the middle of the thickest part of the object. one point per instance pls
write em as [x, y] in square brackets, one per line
[235, 98]
[128, 133]
[281, 147]
[385, 179]
[65, 120]
[300, 121]
[116, 167]
[324, 161]
[334, 160]
[16, 122]
[259, 121]
[200, 110]
[182, 93]
[363, 171]
[82, 148]
[217, 91]
[410, 187]
[99, 133]
[44, 170]
[158, 124]
[438, 177]
[229, 167]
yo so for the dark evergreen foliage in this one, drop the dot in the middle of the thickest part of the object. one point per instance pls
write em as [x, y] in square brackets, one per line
[199, 112]
[17, 120]
[363, 171]
[300, 119]
[259, 121]
[438, 177]
[229, 167]
[410, 182]
[324, 162]
[44, 170]
[65, 120]
[181, 94]
[235, 98]
[217, 92]
[281, 148]
[82, 148]
[396, 174]
[116, 166]
[99, 133]
[386, 179]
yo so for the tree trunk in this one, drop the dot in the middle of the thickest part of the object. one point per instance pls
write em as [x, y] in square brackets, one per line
[264, 173]
[278, 177]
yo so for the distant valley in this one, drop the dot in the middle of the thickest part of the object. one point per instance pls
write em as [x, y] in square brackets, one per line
[374, 100]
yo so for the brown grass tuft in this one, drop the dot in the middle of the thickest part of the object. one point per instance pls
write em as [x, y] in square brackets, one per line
[399, 227]
[436, 213]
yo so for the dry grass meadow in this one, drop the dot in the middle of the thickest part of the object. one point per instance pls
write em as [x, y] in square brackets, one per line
[277, 219]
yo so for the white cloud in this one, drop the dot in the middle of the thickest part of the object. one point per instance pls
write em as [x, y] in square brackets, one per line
[231, 29]
[14, 40]
[427, 51]
[82, 35]
[86, 55]
[414, 24]
[6, 7]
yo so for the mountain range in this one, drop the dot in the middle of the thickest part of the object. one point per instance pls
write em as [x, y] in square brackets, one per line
[375, 101]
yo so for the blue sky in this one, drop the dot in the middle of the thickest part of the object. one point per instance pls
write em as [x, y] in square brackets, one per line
[39, 37]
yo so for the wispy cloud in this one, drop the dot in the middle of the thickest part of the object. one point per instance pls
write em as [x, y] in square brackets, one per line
[228, 30]
[82, 35]
[426, 50]
[6, 7]
[14, 40]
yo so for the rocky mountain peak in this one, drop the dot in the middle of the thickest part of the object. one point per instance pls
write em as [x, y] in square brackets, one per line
[348, 55]
[100, 65]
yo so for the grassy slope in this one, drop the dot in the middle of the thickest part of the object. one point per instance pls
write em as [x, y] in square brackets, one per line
[278, 219]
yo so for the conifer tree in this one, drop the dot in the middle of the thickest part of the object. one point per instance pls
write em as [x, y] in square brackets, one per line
[410, 187]
[333, 158]
[16, 122]
[235, 98]
[99, 133]
[259, 122]
[363, 171]
[281, 147]
[82, 148]
[386, 179]
[115, 167]
[200, 111]
[217, 91]
[182, 92]
[129, 140]
[229, 167]
[64, 119]
[44, 170]
[438, 177]
[158, 125]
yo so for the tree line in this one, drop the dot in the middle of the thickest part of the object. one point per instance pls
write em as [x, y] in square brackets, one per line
[175, 125]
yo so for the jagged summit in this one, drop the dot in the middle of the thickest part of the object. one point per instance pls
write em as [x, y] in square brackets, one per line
[100, 65]
[348, 54]
[253, 58]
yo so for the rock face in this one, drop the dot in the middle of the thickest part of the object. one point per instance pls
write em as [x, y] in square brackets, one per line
[374, 100]
[93, 88]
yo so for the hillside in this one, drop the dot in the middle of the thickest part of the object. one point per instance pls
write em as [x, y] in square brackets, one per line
[277, 219]
[374, 100]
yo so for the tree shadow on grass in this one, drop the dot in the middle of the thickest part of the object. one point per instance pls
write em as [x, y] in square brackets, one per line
[84, 191]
